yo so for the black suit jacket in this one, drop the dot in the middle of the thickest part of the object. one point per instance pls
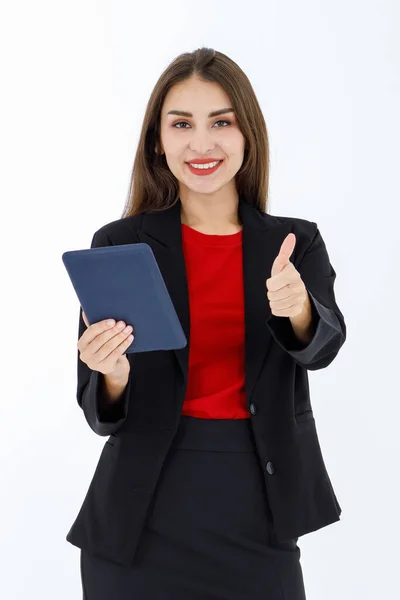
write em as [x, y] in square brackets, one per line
[142, 426]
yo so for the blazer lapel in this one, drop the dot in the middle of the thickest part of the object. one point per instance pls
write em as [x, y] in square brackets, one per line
[262, 237]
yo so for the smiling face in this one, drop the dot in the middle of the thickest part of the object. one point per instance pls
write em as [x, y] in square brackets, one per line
[200, 137]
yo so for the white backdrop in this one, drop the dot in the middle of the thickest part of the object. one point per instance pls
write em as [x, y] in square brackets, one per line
[76, 77]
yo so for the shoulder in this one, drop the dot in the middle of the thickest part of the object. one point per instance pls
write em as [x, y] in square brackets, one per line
[120, 231]
[304, 229]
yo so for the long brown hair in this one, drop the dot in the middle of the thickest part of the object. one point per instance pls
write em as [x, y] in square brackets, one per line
[153, 187]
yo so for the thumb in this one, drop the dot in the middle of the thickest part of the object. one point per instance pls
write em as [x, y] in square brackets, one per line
[284, 255]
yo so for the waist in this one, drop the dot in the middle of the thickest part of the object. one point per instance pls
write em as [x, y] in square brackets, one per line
[224, 435]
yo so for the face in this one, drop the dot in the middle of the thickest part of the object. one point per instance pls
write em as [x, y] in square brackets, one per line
[187, 138]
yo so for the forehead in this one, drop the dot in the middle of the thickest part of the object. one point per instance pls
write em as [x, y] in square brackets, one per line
[196, 96]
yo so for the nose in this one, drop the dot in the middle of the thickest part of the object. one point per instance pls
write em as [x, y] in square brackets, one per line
[201, 142]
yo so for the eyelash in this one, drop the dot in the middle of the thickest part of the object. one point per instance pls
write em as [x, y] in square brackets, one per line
[219, 121]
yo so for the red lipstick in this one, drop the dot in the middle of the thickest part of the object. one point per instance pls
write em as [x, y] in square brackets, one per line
[202, 161]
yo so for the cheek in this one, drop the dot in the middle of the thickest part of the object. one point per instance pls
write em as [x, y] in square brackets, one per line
[169, 142]
[233, 142]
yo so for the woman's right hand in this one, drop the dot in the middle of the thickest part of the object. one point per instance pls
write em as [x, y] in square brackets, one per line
[101, 347]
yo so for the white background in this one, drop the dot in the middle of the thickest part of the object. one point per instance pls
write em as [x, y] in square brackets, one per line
[75, 79]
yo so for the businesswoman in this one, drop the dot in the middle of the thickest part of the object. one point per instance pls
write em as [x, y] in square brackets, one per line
[212, 469]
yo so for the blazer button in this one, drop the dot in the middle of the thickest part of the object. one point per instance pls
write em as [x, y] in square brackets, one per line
[253, 408]
[270, 467]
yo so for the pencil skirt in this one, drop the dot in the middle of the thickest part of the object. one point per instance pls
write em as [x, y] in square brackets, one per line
[209, 533]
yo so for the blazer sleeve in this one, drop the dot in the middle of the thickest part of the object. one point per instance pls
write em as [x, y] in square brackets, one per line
[329, 335]
[104, 420]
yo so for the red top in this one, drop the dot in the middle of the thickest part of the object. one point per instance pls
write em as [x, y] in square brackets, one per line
[216, 377]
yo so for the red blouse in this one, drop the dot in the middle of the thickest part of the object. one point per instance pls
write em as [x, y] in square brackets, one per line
[216, 377]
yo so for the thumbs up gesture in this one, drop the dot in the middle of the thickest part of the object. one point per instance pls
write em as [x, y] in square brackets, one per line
[287, 294]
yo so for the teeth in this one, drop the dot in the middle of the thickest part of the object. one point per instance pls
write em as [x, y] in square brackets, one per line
[206, 166]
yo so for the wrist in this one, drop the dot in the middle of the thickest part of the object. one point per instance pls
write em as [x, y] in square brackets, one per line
[113, 386]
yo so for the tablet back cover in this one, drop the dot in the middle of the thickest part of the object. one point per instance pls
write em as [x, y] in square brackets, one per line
[125, 283]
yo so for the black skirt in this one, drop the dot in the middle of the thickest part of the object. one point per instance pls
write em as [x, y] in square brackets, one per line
[209, 533]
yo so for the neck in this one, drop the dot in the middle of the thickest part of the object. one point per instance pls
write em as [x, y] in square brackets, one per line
[211, 217]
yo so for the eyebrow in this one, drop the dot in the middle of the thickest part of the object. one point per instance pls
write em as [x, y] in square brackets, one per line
[214, 113]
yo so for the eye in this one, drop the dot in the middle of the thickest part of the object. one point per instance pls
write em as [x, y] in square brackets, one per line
[223, 121]
[185, 123]
[180, 123]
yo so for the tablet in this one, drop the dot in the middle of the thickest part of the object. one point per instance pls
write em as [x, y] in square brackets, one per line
[125, 283]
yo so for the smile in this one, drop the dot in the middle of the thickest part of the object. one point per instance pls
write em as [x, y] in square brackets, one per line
[205, 169]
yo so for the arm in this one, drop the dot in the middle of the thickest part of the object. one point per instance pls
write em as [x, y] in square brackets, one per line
[327, 332]
[103, 400]
[104, 414]
[304, 324]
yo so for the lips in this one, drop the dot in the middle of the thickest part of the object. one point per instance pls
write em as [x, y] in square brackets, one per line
[202, 172]
[203, 161]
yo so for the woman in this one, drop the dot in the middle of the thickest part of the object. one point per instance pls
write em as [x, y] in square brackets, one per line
[213, 467]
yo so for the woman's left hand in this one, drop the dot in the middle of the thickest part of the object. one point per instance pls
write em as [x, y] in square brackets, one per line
[286, 293]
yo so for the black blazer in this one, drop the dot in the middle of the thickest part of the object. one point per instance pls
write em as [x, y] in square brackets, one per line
[142, 426]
